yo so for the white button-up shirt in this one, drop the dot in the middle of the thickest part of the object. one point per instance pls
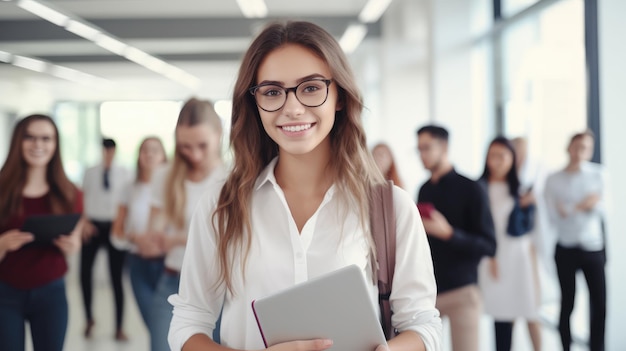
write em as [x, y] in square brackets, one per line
[280, 257]
[101, 204]
[579, 228]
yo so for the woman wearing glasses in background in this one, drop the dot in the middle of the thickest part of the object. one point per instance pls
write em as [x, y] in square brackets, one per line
[297, 195]
[32, 284]
[177, 189]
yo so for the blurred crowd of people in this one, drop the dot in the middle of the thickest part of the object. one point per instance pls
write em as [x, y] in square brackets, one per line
[481, 233]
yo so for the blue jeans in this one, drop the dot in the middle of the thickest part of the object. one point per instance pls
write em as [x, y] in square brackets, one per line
[44, 308]
[144, 278]
[162, 311]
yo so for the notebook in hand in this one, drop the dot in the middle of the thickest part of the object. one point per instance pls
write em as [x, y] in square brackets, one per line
[334, 306]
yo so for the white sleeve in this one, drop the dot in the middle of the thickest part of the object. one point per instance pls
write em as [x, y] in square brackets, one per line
[157, 185]
[126, 193]
[414, 290]
[199, 301]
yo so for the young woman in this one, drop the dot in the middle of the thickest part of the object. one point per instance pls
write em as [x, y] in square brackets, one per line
[295, 205]
[386, 163]
[32, 285]
[145, 262]
[176, 191]
[508, 280]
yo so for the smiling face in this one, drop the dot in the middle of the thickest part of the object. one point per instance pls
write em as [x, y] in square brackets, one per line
[39, 144]
[297, 129]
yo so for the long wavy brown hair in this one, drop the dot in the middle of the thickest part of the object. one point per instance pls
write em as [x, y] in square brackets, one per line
[193, 112]
[354, 168]
[15, 170]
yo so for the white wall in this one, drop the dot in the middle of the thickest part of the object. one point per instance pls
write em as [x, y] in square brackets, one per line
[613, 124]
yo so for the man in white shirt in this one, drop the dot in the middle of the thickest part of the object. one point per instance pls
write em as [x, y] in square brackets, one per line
[101, 186]
[574, 198]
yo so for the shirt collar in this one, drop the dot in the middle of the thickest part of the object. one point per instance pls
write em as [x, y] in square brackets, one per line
[267, 176]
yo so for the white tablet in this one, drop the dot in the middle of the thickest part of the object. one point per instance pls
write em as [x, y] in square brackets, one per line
[334, 306]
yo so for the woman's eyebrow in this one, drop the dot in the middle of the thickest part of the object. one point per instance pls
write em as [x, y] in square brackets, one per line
[299, 80]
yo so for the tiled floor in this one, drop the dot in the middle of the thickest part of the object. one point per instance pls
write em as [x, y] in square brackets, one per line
[102, 339]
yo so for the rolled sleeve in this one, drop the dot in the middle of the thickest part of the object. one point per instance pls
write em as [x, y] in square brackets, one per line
[199, 300]
[414, 290]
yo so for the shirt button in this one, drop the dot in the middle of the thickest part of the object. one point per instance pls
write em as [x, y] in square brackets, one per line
[299, 255]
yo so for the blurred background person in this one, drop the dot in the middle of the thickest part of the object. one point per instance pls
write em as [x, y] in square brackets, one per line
[176, 190]
[456, 216]
[575, 197]
[102, 185]
[32, 284]
[508, 279]
[386, 163]
[145, 261]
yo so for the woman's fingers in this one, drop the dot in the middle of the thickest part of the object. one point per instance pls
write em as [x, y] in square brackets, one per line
[14, 240]
[382, 348]
[67, 244]
[303, 345]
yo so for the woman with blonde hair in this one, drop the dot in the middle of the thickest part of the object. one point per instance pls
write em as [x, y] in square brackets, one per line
[177, 189]
[295, 205]
[32, 275]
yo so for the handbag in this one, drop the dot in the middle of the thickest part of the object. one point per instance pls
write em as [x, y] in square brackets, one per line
[383, 227]
[521, 220]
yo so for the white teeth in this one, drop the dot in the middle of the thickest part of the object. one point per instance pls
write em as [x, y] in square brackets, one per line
[297, 128]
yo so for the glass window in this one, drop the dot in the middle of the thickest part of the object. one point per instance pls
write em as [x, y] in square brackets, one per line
[129, 122]
[511, 7]
[79, 135]
[544, 88]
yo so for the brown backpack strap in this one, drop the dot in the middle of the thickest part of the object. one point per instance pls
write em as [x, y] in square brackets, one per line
[383, 227]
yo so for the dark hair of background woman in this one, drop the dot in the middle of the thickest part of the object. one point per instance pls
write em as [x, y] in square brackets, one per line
[512, 178]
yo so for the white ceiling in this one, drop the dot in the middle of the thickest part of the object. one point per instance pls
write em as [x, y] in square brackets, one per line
[203, 37]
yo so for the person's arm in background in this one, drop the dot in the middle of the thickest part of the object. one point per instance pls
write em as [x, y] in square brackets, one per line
[13, 240]
[71, 243]
[479, 239]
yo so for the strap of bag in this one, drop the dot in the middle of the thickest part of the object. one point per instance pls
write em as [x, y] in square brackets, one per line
[383, 227]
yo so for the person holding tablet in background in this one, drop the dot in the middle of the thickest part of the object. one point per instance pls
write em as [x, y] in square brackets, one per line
[295, 205]
[32, 284]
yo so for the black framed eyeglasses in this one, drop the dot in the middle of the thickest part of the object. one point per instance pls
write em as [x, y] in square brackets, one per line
[310, 93]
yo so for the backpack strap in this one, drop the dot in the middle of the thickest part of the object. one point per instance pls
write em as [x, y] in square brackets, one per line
[383, 227]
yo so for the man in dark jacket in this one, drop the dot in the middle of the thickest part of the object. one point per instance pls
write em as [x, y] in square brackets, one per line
[456, 215]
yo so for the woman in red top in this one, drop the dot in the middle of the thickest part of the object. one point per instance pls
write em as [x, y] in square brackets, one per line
[32, 286]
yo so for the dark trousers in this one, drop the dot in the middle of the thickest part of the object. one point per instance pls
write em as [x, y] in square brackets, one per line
[568, 262]
[44, 308]
[504, 335]
[116, 265]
